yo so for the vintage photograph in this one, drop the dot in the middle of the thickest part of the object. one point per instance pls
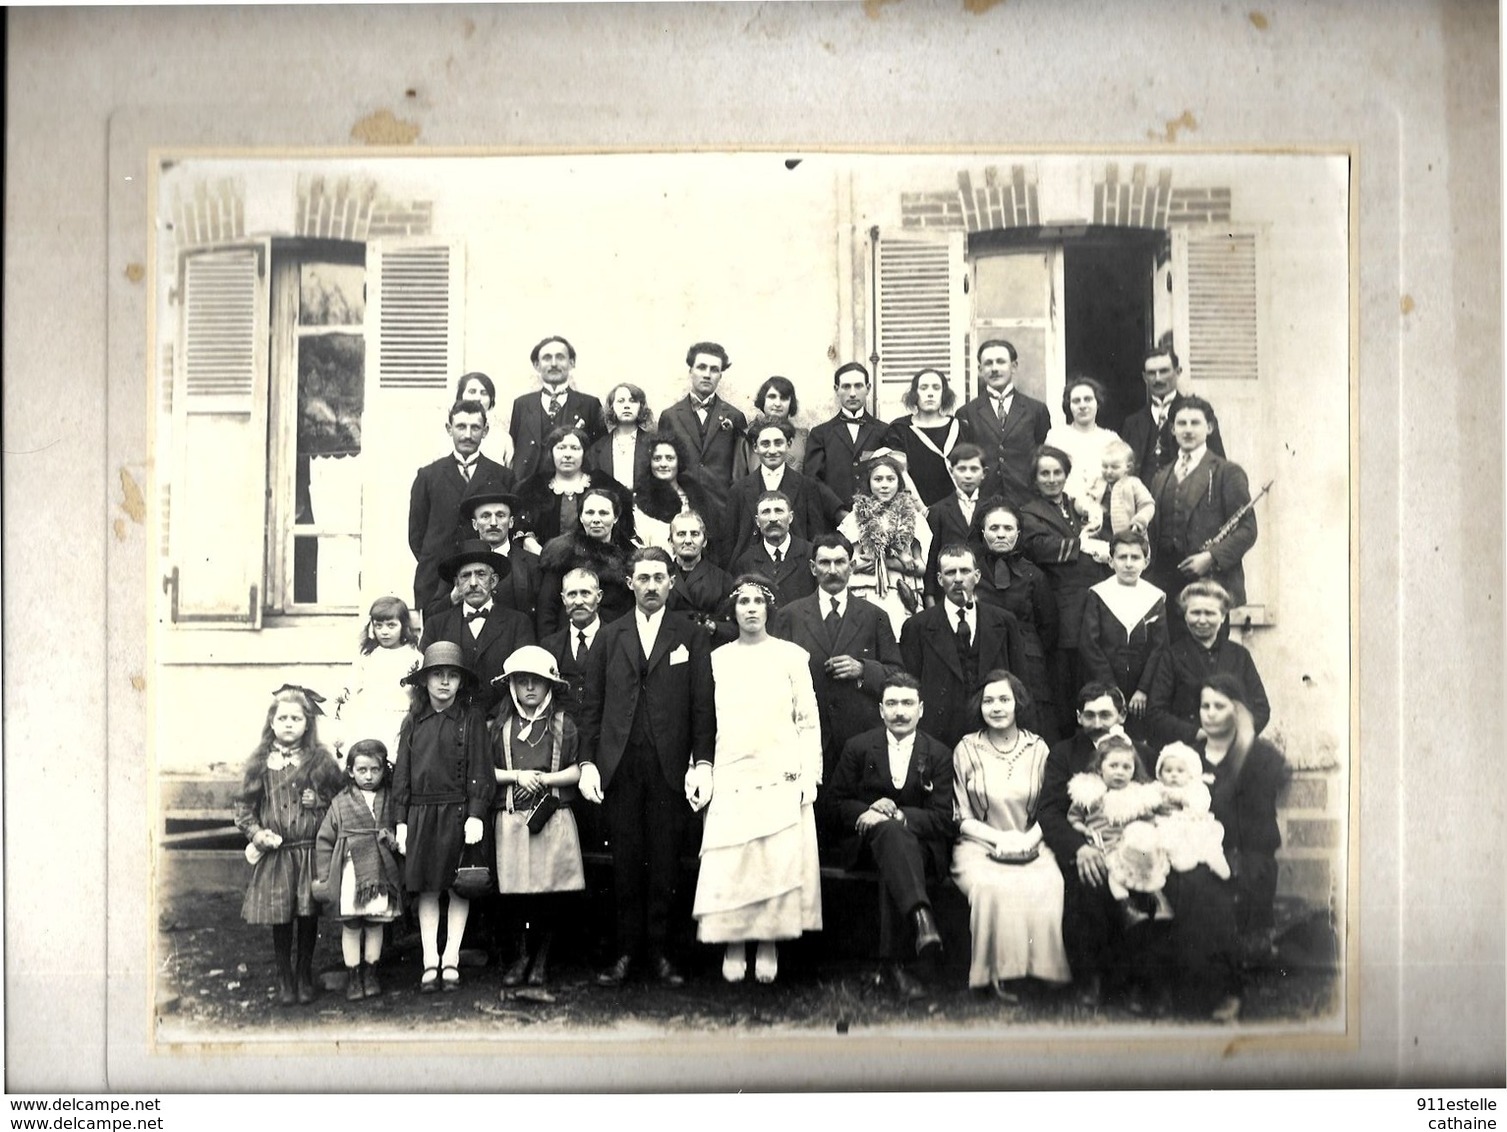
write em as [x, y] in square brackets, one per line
[741, 594]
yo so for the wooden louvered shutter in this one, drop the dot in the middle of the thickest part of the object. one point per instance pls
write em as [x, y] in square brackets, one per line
[415, 291]
[219, 407]
[920, 313]
[1216, 269]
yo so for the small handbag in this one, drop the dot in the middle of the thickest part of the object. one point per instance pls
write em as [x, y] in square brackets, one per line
[473, 881]
[545, 809]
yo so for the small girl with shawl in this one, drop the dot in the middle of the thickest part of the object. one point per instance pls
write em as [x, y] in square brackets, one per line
[891, 538]
[356, 869]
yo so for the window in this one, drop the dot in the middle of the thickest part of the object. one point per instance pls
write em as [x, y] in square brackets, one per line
[314, 458]
[293, 359]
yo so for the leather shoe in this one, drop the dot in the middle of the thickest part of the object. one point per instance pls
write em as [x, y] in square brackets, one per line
[617, 974]
[516, 970]
[928, 939]
[907, 985]
[666, 973]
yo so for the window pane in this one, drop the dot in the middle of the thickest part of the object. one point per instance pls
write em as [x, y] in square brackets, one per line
[1030, 344]
[1011, 286]
[331, 294]
[331, 393]
[327, 503]
[326, 569]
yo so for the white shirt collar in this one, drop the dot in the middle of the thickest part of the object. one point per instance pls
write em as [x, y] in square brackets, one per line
[971, 615]
[1004, 394]
[1195, 457]
[589, 630]
[772, 480]
[841, 597]
[1164, 402]
[503, 547]
[648, 627]
[783, 547]
[900, 754]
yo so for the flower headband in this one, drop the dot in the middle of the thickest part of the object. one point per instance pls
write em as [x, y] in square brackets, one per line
[758, 587]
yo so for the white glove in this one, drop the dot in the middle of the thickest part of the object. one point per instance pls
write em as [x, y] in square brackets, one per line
[590, 785]
[808, 790]
[473, 831]
[698, 785]
[402, 832]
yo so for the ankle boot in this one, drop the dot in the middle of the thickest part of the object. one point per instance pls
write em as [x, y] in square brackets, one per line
[354, 977]
[308, 929]
[282, 960]
[539, 974]
[519, 967]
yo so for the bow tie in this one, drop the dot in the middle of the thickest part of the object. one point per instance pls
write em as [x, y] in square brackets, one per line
[476, 615]
[703, 406]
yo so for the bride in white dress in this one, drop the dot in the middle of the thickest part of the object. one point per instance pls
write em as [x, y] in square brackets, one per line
[760, 878]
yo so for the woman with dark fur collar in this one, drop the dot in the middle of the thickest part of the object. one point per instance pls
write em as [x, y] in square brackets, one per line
[600, 542]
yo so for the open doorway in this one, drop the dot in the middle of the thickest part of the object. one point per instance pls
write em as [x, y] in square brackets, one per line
[1107, 315]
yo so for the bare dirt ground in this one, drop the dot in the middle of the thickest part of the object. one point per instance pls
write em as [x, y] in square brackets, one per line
[215, 980]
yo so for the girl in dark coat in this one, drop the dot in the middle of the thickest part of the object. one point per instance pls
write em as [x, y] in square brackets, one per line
[1125, 628]
[442, 788]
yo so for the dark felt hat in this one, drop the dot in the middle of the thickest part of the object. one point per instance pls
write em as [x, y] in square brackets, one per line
[474, 550]
[442, 654]
[469, 504]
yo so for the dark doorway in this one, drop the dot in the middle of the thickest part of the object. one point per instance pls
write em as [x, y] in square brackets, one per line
[1106, 286]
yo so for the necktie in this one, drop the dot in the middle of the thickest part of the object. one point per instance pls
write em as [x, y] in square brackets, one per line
[999, 407]
[833, 618]
[779, 556]
[467, 468]
[1184, 466]
[964, 637]
[553, 408]
[580, 643]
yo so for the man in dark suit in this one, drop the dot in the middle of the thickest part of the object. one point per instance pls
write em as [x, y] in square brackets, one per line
[711, 429]
[486, 630]
[648, 759]
[1007, 424]
[951, 518]
[1148, 430]
[572, 645]
[1091, 924]
[775, 554]
[834, 446]
[555, 404]
[491, 516]
[892, 790]
[434, 503]
[1196, 495]
[851, 645]
[814, 509]
[701, 587]
[950, 646]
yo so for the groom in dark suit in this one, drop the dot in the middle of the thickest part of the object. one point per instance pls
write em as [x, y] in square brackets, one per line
[1008, 425]
[711, 429]
[951, 645]
[892, 792]
[486, 630]
[851, 645]
[435, 524]
[1148, 430]
[553, 405]
[647, 760]
[833, 448]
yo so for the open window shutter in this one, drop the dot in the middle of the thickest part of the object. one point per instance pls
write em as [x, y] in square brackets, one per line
[1218, 315]
[415, 293]
[920, 313]
[219, 405]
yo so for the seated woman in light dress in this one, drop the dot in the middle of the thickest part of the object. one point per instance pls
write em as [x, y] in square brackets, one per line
[1000, 862]
[760, 879]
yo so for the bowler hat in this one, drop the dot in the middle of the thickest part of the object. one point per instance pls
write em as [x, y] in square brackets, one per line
[441, 654]
[472, 502]
[474, 550]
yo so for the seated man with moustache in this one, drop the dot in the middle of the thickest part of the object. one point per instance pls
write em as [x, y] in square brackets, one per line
[892, 792]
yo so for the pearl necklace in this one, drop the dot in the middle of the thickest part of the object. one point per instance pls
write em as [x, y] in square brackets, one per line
[1010, 755]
